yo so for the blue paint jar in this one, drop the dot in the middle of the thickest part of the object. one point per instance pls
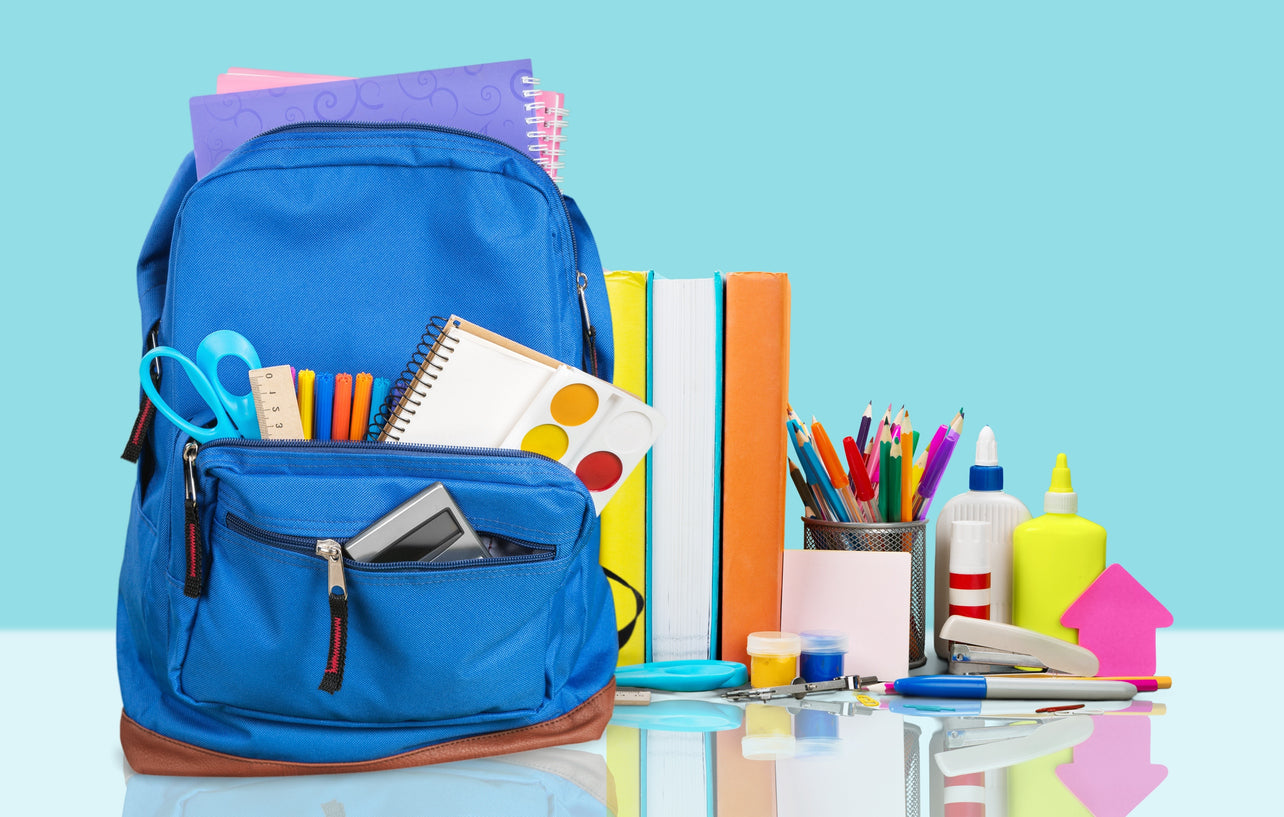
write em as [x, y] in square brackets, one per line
[824, 653]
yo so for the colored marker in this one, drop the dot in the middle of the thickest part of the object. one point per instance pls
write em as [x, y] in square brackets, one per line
[342, 414]
[359, 423]
[860, 480]
[324, 405]
[837, 476]
[378, 394]
[307, 386]
[980, 686]
[936, 464]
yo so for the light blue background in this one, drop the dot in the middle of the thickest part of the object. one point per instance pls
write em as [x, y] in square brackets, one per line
[1069, 217]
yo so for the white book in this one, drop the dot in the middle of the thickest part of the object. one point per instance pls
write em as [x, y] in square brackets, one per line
[685, 363]
[679, 774]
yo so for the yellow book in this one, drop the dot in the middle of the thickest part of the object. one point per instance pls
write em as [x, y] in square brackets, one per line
[624, 762]
[624, 520]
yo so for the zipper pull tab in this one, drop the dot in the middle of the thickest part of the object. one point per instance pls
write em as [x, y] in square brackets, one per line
[332, 552]
[337, 591]
[193, 541]
[590, 334]
[581, 284]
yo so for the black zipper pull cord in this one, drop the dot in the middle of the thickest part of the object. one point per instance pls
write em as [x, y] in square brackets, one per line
[193, 542]
[337, 591]
[146, 411]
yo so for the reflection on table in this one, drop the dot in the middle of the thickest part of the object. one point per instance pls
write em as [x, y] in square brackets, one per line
[706, 758]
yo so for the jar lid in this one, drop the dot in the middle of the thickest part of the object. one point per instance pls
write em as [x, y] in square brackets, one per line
[772, 643]
[824, 641]
[772, 747]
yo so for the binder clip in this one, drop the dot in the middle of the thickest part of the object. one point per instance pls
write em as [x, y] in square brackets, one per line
[980, 647]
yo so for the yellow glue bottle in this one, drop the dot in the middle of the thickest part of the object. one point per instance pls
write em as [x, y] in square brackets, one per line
[1054, 559]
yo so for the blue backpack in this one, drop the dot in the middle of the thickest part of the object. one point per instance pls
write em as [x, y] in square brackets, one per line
[330, 246]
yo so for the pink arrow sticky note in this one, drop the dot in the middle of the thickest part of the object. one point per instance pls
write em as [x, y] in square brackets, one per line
[1112, 773]
[1117, 619]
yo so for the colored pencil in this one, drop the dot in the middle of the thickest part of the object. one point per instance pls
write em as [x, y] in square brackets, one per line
[804, 490]
[907, 469]
[884, 457]
[861, 435]
[884, 436]
[807, 453]
[893, 482]
[920, 462]
[871, 448]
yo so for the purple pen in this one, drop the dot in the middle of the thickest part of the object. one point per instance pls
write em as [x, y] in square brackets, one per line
[934, 471]
[934, 446]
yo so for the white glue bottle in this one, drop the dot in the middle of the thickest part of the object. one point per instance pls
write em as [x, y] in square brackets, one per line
[970, 569]
[984, 502]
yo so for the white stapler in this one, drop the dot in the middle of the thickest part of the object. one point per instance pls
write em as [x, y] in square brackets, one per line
[980, 647]
[985, 749]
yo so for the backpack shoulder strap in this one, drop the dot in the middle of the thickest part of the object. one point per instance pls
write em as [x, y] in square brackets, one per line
[153, 261]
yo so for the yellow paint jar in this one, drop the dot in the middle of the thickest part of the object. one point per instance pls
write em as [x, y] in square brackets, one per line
[773, 658]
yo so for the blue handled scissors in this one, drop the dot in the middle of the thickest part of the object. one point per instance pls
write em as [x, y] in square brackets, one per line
[234, 414]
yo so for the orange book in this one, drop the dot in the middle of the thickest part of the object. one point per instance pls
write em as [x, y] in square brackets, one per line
[746, 787]
[342, 407]
[754, 465]
[359, 424]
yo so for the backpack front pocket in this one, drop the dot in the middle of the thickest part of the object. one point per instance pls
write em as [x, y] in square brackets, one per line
[468, 642]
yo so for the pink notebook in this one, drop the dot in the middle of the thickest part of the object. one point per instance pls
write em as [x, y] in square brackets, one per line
[548, 120]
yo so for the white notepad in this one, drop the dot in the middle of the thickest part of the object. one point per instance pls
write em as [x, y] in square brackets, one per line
[471, 389]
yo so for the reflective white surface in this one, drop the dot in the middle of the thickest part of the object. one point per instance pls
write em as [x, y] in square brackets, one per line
[1212, 750]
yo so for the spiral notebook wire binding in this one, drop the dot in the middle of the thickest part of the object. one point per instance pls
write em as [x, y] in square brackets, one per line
[549, 149]
[414, 382]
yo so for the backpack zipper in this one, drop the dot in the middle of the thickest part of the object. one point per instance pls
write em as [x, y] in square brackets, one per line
[337, 586]
[581, 282]
[329, 549]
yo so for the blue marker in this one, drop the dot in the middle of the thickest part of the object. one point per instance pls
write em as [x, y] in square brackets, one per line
[1030, 689]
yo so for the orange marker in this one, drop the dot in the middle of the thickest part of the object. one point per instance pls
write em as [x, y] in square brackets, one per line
[342, 414]
[834, 467]
[361, 407]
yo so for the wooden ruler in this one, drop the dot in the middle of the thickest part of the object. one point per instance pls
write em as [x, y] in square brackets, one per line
[632, 697]
[275, 403]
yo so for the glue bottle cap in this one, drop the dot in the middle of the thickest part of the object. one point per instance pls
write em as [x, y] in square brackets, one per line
[986, 475]
[1060, 497]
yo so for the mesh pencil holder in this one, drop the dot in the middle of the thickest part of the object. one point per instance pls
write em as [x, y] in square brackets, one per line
[891, 537]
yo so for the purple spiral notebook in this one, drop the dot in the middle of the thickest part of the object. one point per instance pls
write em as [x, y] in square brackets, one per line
[492, 99]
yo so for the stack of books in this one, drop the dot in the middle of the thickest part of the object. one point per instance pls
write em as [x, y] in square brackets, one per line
[693, 541]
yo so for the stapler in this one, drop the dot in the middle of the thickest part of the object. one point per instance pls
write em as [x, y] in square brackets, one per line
[980, 647]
